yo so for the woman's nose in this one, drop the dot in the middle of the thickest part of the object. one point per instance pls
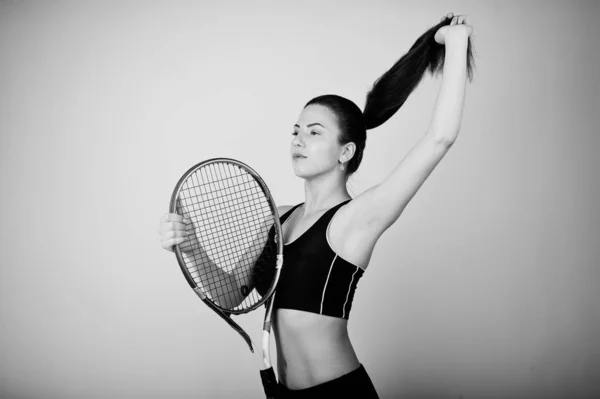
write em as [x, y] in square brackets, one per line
[298, 141]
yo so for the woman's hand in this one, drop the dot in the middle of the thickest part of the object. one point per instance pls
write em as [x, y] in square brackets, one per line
[174, 229]
[458, 27]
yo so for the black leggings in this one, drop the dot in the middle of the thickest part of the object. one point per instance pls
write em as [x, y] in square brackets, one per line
[355, 384]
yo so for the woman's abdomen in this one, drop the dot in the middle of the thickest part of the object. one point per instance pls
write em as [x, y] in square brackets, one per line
[311, 348]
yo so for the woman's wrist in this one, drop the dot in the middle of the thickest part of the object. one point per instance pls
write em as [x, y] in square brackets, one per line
[457, 39]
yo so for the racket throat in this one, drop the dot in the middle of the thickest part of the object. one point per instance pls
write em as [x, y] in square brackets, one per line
[226, 317]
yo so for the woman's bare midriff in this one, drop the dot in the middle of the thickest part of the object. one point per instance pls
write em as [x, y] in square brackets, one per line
[311, 348]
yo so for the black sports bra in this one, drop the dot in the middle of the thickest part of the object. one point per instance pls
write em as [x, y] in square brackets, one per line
[314, 278]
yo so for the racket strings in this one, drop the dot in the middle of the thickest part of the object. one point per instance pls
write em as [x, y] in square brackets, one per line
[233, 252]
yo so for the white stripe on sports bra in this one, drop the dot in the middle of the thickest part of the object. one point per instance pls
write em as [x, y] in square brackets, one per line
[327, 281]
[347, 294]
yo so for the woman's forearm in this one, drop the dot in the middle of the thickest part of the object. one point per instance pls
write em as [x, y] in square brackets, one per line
[447, 114]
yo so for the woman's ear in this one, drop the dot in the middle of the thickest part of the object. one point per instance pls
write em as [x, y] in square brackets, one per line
[348, 152]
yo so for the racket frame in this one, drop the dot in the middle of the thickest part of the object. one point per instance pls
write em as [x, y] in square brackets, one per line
[225, 314]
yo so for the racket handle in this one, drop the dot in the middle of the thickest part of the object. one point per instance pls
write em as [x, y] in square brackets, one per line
[269, 382]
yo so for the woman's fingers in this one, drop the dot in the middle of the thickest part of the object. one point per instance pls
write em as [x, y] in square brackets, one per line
[172, 221]
[456, 19]
[176, 234]
[171, 217]
[459, 19]
[171, 226]
[168, 244]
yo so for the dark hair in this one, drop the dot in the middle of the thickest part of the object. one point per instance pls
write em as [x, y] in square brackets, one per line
[389, 92]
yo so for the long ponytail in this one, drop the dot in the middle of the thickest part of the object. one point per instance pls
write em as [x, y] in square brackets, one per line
[391, 90]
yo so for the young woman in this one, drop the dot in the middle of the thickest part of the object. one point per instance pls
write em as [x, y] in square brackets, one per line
[329, 237]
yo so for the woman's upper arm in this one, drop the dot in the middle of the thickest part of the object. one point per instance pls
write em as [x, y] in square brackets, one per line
[377, 208]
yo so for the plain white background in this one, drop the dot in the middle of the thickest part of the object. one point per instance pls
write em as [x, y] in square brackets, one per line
[486, 287]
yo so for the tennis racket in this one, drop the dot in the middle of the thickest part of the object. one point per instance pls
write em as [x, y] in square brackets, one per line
[234, 252]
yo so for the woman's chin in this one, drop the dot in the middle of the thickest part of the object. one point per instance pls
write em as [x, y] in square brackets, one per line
[299, 171]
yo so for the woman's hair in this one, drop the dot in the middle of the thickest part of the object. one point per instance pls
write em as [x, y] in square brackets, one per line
[389, 92]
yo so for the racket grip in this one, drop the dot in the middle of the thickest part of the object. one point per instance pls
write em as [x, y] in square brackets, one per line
[269, 382]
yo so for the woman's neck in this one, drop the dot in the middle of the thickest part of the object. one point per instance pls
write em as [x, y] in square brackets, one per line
[323, 192]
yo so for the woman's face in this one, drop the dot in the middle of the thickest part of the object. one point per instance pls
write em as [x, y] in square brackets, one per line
[316, 138]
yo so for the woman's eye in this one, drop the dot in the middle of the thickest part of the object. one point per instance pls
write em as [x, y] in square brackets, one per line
[294, 133]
